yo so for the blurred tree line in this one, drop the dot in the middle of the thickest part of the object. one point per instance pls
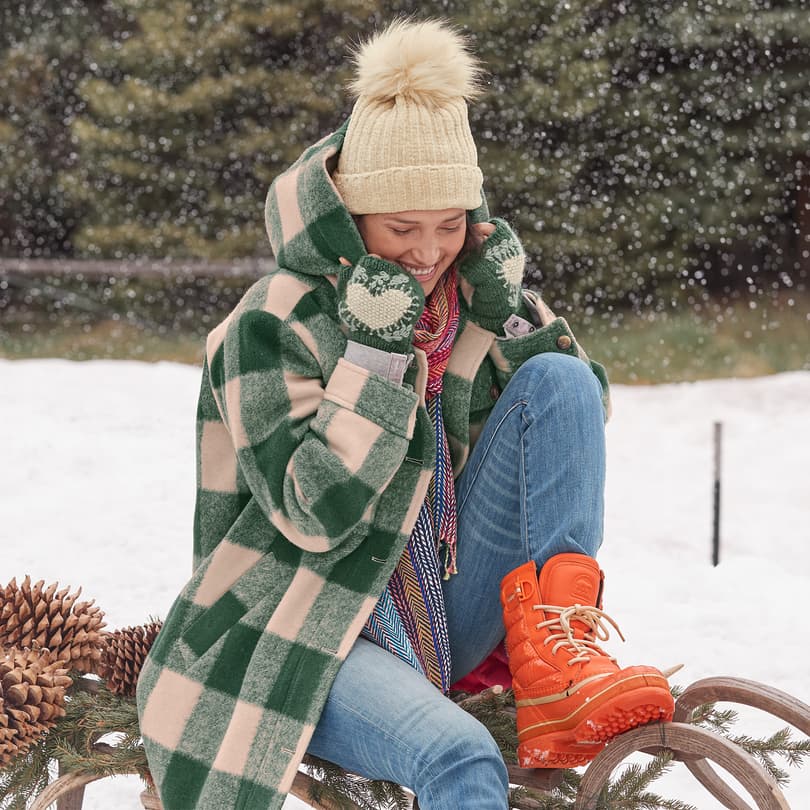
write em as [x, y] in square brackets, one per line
[641, 149]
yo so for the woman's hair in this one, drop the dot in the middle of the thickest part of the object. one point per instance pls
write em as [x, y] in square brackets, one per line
[473, 241]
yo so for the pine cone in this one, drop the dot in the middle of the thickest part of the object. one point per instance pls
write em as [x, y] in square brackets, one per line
[8, 735]
[123, 655]
[32, 699]
[33, 618]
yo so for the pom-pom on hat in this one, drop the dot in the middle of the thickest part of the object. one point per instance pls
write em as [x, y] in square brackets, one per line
[408, 146]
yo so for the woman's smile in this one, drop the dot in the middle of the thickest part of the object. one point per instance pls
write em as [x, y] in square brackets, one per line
[423, 243]
[420, 273]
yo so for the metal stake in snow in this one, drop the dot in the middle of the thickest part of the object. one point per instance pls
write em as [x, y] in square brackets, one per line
[718, 439]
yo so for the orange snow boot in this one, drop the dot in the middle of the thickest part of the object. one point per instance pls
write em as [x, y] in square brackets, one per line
[571, 696]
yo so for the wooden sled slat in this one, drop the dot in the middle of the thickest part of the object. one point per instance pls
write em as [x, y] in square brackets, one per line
[61, 788]
[689, 740]
[535, 778]
[749, 693]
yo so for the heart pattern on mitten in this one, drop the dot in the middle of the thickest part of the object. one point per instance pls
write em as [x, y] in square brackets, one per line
[377, 313]
[511, 271]
[378, 300]
[510, 259]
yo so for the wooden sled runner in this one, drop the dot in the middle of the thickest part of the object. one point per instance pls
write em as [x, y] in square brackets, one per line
[692, 745]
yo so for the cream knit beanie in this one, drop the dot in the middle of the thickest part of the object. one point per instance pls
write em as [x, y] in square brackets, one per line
[408, 146]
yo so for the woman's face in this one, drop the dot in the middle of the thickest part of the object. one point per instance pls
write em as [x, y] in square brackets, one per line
[424, 243]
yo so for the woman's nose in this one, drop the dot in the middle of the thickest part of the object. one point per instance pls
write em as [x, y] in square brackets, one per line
[427, 253]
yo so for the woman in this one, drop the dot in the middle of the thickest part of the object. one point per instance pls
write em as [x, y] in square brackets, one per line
[393, 440]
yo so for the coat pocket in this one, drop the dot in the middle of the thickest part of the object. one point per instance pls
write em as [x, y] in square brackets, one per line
[223, 594]
[213, 623]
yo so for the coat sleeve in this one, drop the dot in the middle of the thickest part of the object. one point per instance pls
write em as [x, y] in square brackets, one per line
[552, 334]
[315, 454]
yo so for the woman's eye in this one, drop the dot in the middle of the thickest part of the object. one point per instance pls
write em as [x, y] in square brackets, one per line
[452, 228]
[400, 233]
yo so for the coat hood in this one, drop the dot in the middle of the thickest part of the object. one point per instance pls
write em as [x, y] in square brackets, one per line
[307, 222]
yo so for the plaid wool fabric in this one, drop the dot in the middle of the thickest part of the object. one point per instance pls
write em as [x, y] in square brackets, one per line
[310, 474]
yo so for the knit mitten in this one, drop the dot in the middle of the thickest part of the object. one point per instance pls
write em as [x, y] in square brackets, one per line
[495, 271]
[379, 303]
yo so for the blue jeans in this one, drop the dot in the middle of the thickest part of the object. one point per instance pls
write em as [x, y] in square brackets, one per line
[532, 488]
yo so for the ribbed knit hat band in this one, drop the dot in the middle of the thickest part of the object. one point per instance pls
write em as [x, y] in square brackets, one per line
[408, 145]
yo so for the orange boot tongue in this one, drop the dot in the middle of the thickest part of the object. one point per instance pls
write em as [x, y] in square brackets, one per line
[570, 579]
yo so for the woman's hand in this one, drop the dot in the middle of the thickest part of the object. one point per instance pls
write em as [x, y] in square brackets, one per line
[493, 273]
[482, 230]
[379, 303]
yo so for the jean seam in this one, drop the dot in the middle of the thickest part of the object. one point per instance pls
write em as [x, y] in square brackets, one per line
[516, 404]
[524, 496]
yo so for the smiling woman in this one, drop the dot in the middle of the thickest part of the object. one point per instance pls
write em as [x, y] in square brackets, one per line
[400, 467]
[423, 243]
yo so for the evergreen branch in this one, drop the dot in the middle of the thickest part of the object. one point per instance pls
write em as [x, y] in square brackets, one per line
[521, 798]
[569, 787]
[710, 717]
[629, 790]
[781, 744]
[651, 801]
[634, 778]
[24, 778]
[338, 788]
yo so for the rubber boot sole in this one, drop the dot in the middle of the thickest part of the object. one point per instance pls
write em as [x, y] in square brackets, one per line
[556, 751]
[623, 712]
[575, 740]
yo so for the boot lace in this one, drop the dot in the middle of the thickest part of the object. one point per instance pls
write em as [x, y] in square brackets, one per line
[583, 648]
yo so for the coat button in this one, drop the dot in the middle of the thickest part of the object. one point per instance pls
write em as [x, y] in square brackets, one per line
[494, 392]
[564, 342]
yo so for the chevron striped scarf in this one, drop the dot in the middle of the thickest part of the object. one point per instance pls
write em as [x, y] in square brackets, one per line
[409, 619]
[434, 333]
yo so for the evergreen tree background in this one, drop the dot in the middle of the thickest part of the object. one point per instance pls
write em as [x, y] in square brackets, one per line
[191, 117]
[645, 152]
[645, 145]
[42, 59]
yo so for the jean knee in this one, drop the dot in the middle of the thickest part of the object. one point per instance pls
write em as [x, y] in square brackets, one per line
[562, 375]
[467, 759]
[554, 366]
[480, 746]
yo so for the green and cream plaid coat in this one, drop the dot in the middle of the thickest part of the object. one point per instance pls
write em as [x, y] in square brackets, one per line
[310, 475]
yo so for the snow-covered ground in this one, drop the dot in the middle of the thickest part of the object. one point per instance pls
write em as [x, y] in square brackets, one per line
[97, 483]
